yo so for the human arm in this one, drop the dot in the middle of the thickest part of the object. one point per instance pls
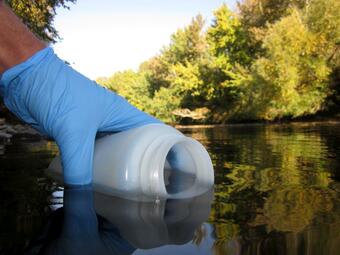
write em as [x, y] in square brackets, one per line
[17, 42]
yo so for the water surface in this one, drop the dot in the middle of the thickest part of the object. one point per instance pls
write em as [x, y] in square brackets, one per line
[277, 191]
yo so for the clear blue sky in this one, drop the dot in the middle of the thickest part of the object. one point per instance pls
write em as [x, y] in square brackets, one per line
[104, 36]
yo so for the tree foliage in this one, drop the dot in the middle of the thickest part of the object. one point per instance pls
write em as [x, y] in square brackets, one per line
[187, 46]
[293, 69]
[270, 60]
[131, 85]
[228, 40]
[260, 13]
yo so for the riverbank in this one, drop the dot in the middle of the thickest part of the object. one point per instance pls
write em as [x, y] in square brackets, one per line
[301, 121]
[8, 130]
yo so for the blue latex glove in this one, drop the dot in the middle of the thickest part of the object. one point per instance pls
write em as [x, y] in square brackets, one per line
[61, 103]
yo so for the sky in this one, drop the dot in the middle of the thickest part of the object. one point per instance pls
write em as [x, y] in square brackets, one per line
[102, 37]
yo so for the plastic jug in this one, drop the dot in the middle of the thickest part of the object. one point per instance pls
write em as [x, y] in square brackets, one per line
[151, 162]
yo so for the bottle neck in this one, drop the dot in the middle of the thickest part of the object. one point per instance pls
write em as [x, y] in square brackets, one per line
[191, 171]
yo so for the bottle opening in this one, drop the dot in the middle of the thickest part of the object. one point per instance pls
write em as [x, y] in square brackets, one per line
[180, 168]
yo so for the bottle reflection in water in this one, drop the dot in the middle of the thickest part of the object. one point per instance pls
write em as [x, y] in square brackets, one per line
[93, 223]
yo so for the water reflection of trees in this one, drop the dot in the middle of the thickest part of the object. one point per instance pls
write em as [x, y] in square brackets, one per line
[274, 189]
[291, 209]
[23, 191]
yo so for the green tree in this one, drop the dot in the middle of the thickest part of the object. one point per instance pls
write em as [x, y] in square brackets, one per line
[293, 69]
[131, 85]
[175, 74]
[134, 87]
[231, 53]
[164, 103]
[188, 45]
[228, 40]
[256, 15]
[270, 60]
[323, 19]
[260, 13]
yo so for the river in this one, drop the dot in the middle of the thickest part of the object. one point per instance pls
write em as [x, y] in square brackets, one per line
[277, 191]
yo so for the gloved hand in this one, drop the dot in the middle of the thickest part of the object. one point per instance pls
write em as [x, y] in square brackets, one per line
[61, 103]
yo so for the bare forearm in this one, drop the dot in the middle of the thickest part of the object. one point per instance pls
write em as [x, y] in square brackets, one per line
[17, 43]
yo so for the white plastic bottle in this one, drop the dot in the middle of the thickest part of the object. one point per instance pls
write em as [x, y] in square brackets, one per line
[151, 162]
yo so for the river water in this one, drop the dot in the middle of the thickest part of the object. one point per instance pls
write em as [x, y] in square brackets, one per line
[277, 191]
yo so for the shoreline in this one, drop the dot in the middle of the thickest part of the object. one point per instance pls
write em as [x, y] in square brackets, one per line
[309, 121]
[8, 129]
